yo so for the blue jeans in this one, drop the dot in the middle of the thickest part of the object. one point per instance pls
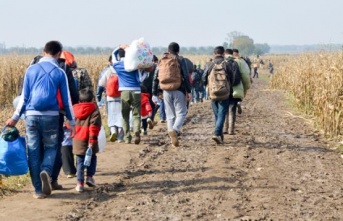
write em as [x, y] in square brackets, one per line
[220, 108]
[162, 110]
[58, 160]
[197, 94]
[42, 142]
[80, 168]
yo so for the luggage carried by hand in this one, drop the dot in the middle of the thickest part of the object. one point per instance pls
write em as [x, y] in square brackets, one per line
[13, 158]
[138, 55]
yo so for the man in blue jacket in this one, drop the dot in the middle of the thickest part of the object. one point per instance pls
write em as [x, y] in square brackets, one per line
[42, 82]
[129, 85]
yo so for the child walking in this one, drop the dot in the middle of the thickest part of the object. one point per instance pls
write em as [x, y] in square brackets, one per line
[146, 110]
[88, 124]
[68, 163]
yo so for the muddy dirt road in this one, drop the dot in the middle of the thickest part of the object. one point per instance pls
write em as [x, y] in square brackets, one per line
[276, 167]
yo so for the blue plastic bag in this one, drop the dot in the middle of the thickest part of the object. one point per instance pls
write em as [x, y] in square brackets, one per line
[13, 158]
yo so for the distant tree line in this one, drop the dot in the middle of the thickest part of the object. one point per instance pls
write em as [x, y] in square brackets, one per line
[102, 50]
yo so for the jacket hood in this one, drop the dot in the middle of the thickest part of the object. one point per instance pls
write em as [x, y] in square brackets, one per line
[145, 95]
[83, 110]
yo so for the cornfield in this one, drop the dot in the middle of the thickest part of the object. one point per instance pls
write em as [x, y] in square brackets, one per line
[315, 81]
[12, 69]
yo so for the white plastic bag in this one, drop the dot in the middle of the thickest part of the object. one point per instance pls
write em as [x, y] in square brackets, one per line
[138, 55]
[102, 139]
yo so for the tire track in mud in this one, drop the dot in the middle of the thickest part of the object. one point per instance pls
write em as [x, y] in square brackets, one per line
[276, 167]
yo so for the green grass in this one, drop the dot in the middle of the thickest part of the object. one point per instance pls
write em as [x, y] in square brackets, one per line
[10, 185]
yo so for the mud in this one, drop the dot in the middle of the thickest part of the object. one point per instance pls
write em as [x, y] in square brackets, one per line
[276, 167]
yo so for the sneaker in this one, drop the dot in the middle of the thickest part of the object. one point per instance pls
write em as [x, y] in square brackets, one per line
[127, 141]
[90, 181]
[79, 188]
[70, 175]
[239, 108]
[162, 121]
[39, 195]
[217, 139]
[113, 137]
[137, 137]
[145, 132]
[150, 124]
[46, 185]
[120, 141]
[225, 131]
[174, 139]
[55, 185]
[154, 123]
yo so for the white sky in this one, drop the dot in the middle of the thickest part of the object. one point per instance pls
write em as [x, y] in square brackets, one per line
[188, 22]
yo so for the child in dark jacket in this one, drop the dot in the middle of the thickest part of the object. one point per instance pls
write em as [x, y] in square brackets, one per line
[88, 124]
[146, 110]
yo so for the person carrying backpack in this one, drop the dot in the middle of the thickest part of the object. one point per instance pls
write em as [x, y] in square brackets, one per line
[66, 62]
[220, 76]
[38, 100]
[110, 82]
[172, 77]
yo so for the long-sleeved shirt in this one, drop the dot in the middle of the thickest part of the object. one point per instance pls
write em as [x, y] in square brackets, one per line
[34, 102]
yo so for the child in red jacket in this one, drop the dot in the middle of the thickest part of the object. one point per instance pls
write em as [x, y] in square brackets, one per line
[146, 110]
[88, 124]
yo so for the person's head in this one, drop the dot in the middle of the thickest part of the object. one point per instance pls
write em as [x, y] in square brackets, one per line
[174, 48]
[86, 95]
[69, 59]
[219, 50]
[195, 67]
[228, 51]
[121, 53]
[154, 59]
[235, 52]
[53, 49]
[198, 65]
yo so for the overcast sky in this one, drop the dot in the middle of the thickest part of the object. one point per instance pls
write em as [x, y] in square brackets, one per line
[188, 22]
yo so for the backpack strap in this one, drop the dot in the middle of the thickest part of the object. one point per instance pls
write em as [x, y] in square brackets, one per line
[45, 70]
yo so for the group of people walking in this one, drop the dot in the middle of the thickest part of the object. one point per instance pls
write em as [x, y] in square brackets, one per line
[50, 94]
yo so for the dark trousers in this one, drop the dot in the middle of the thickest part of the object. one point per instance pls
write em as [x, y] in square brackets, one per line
[230, 119]
[68, 163]
[255, 73]
[145, 124]
[80, 174]
[58, 160]
[152, 104]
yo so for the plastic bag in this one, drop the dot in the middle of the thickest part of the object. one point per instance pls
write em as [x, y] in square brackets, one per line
[138, 55]
[102, 139]
[13, 158]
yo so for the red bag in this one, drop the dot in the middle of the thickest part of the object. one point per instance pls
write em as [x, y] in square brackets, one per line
[112, 86]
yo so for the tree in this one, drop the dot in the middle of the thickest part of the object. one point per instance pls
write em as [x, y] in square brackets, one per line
[230, 37]
[261, 49]
[244, 44]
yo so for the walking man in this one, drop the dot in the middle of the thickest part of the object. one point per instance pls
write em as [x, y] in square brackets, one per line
[172, 78]
[42, 81]
[220, 76]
